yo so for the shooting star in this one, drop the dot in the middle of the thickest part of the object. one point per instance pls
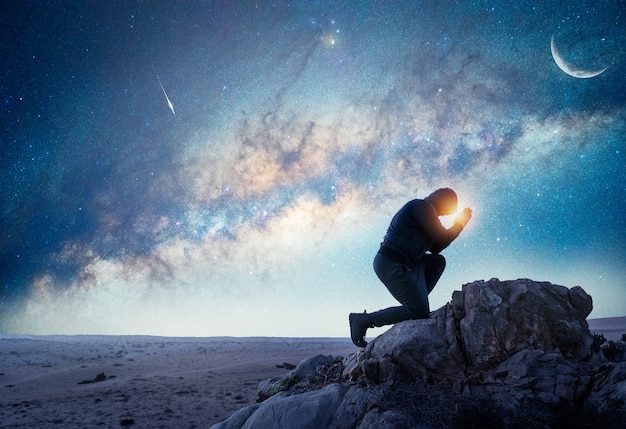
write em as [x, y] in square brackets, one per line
[169, 103]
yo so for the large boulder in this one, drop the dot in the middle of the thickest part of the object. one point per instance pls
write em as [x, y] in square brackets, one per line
[505, 353]
[485, 324]
[498, 319]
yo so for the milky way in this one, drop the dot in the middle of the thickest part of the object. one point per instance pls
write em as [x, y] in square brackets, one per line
[299, 130]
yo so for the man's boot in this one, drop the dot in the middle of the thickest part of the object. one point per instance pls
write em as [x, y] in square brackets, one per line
[359, 322]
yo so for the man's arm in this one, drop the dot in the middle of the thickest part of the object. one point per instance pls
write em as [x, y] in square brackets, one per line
[441, 236]
[429, 222]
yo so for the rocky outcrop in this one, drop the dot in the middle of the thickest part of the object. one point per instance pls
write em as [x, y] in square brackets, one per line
[500, 354]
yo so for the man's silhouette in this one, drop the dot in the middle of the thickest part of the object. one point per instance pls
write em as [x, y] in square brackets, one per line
[408, 261]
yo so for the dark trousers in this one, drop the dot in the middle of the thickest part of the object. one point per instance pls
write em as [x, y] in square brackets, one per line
[409, 286]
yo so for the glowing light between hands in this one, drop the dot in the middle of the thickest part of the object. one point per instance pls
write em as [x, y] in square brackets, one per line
[448, 220]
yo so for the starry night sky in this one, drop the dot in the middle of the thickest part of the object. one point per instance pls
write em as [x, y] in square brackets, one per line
[256, 203]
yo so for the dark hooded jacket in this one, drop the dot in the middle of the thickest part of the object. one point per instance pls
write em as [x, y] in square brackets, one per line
[416, 229]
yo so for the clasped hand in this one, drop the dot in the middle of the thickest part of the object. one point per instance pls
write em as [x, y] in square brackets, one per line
[464, 216]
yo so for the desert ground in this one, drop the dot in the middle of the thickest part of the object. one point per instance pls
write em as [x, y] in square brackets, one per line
[140, 381]
[152, 382]
[611, 327]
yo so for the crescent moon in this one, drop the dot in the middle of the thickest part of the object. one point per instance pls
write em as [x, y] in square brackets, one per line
[569, 68]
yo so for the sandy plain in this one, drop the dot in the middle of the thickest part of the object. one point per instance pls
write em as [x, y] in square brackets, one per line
[140, 381]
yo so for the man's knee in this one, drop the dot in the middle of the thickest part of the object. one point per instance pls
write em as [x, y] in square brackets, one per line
[435, 263]
[440, 260]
